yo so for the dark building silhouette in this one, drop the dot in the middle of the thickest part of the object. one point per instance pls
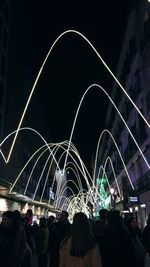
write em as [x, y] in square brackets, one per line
[16, 81]
[133, 72]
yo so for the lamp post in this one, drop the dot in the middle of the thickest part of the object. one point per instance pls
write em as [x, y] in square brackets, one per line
[112, 200]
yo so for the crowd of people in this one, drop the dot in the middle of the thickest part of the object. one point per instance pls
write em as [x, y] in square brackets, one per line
[110, 241]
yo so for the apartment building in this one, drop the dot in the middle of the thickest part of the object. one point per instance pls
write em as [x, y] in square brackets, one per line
[133, 72]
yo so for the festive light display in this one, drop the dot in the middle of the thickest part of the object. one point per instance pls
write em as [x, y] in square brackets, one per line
[38, 76]
[85, 200]
[101, 183]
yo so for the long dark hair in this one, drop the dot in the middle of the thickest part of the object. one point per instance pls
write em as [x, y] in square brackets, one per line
[82, 238]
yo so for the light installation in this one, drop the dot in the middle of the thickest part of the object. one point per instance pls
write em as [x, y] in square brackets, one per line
[37, 78]
[101, 183]
[92, 195]
[103, 168]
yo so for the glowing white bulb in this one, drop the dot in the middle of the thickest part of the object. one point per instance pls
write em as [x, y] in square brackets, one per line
[143, 206]
[112, 190]
[131, 210]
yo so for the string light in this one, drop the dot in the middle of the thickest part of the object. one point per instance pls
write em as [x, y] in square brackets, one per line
[70, 147]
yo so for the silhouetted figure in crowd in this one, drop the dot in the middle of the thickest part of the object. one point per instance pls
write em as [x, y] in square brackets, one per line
[136, 238]
[50, 225]
[146, 235]
[80, 249]
[17, 217]
[50, 221]
[101, 224]
[35, 228]
[28, 228]
[29, 217]
[41, 242]
[13, 245]
[60, 230]
[115, 244]
[28, 254]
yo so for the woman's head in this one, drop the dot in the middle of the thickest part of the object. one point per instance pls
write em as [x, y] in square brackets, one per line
[80, 220]
[82, 238]
[81, 223]
[29, 216]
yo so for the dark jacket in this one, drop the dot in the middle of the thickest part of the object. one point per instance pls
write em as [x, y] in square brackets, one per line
[116, 248]
[13, 246]
[60, 230]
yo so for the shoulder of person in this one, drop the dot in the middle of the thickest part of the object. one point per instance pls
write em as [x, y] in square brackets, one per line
[66, 240]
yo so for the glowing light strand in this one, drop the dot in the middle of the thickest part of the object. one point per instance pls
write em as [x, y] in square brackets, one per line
[13, 185]
[37, 78]
[97, 85]
[125, 168]
[114, 174]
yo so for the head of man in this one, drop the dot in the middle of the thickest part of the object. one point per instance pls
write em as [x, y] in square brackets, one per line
[64, 216]
[7, 218]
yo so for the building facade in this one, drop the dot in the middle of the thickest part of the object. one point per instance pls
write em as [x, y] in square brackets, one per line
[16, 81]
[133, 72]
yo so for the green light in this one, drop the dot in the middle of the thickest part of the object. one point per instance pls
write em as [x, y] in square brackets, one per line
[101, 183]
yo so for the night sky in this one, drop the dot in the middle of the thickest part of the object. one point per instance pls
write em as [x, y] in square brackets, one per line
[73, 66]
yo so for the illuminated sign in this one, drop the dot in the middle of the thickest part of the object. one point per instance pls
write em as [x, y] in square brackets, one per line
[134, 199]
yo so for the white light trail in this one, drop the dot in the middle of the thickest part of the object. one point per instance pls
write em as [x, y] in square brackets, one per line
[68, 168]
[104, 173]
[66, 201]
[97, 85]
[6, 158]
[35, 164]
[114, 174]
[55, 202]
[59, 145]
[22, 129]
[39, 74]
[77, 112]
[81, 162]
[49, 169]
[53, 153]
[41, 176]
[13, 185]
[100, 87]
[106, 131]
[65, 189]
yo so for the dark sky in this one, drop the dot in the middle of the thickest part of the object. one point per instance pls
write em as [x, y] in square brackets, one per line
[73, 66]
